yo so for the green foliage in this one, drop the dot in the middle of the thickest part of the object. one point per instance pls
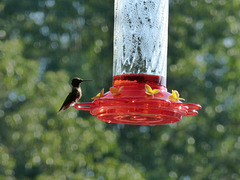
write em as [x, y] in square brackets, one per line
[38, 143]
[46, 43]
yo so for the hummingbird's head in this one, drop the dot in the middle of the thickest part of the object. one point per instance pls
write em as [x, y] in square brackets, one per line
[77, 81]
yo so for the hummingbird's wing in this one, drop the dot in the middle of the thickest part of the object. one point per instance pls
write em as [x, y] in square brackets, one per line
[70, 100]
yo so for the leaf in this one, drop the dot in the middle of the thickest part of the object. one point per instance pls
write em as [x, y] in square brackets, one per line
[149, 90]
[175, 96]
[99, 95]
[115, 91]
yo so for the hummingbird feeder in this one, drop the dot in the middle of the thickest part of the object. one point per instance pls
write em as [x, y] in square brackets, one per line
[139, 95]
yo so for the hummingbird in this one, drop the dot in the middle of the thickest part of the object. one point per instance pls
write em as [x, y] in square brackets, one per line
[75, 95]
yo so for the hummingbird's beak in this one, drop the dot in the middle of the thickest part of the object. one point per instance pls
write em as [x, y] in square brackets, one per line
[86, 80]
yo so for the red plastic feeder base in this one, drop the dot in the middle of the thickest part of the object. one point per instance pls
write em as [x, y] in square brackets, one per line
[133, 106]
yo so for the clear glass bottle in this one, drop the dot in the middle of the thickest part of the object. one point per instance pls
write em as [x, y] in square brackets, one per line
[140, 39]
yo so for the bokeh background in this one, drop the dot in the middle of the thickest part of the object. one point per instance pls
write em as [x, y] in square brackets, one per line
[45, 43]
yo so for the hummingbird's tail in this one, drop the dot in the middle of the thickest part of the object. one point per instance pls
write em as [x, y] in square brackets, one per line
[64, 107]
[60, 109]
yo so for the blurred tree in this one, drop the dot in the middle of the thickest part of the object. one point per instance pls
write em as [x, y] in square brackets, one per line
[36, 142]
[203, 66]
[72, 35]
